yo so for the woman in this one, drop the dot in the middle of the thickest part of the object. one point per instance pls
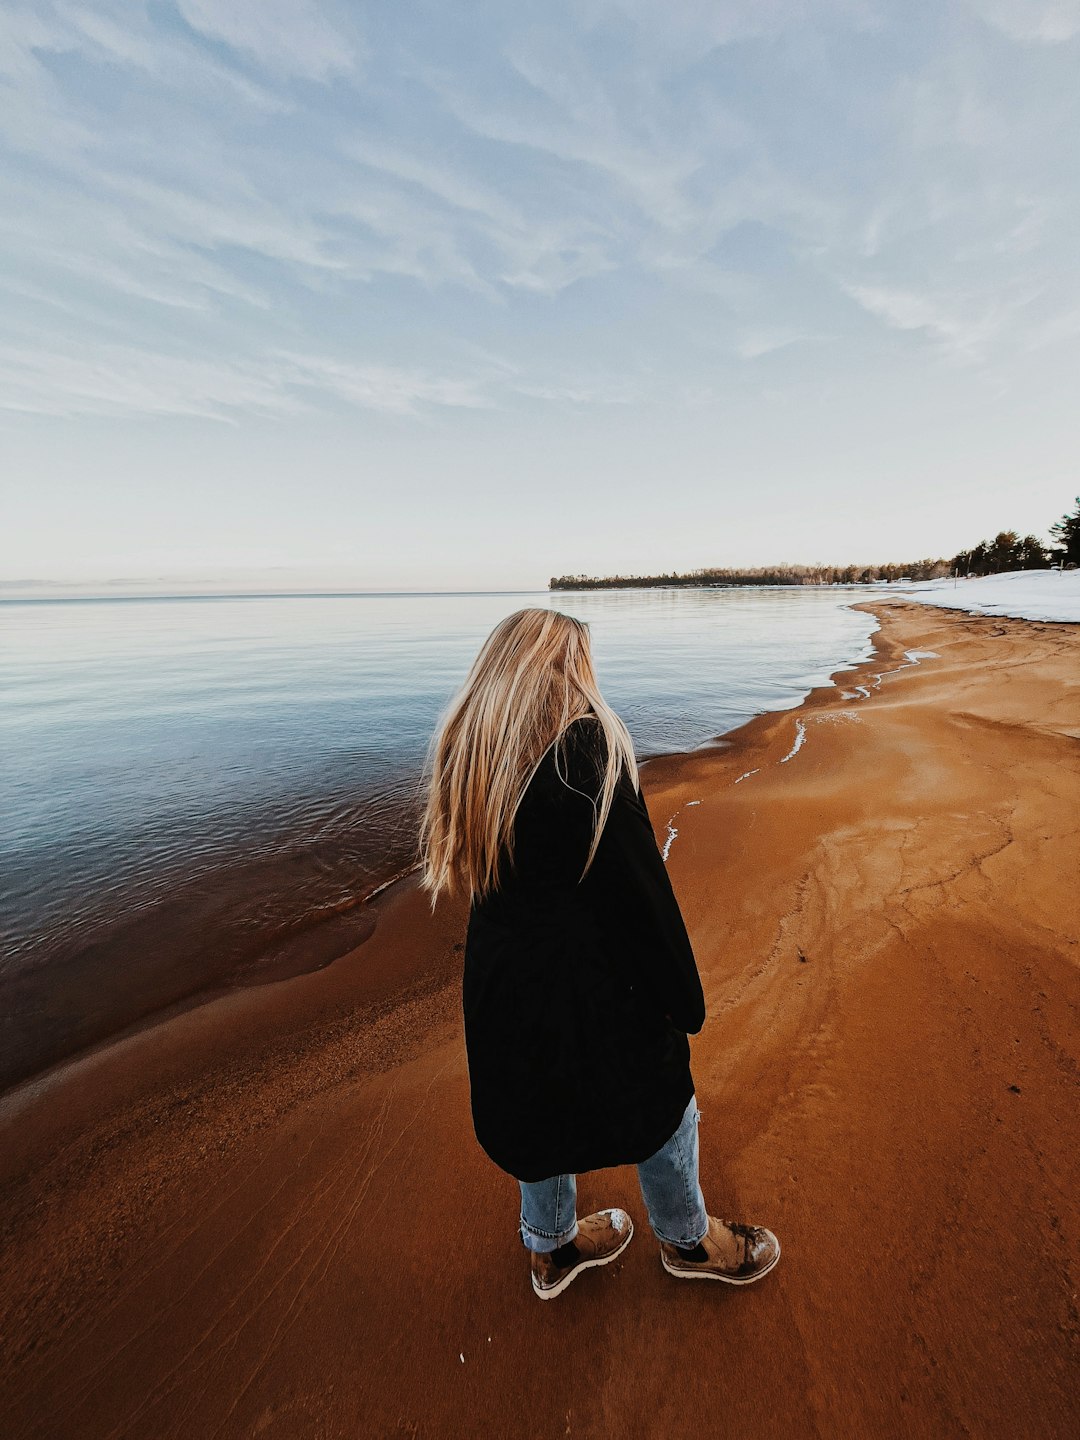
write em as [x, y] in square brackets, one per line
[580, 984]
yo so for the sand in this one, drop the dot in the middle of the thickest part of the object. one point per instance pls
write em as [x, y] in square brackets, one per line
[268, 1216]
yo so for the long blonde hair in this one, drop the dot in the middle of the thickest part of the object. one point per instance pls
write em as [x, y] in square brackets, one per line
[532, 678]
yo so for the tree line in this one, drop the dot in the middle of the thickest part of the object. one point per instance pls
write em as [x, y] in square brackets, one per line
[1007, 551]
[760, 575]
[1010, 551]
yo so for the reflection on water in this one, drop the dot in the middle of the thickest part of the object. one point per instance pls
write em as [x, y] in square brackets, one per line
[199, 791]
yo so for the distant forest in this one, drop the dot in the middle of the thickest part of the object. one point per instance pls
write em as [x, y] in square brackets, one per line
[1007, 551]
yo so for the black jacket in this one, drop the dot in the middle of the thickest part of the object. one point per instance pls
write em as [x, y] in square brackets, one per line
[578, 996]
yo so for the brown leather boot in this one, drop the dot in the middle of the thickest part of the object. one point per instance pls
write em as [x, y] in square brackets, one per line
[737, 1254]
[601, 1238]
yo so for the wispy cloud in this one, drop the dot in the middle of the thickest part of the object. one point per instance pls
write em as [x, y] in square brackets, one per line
[707, 248]
[116, 380]
[438, 217]
[766, 342]
[381, 387]
[1048, 21]
[690, 29]
[290, 37]
[595, 390]
[963, 334]
[583, 191]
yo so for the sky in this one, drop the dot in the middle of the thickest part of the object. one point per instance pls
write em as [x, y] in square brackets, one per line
[311, 293]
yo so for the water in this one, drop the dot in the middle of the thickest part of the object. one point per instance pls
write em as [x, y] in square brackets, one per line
[200, 792]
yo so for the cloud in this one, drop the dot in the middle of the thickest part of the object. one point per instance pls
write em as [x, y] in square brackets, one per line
[576, 122]
[961, 335]
[1049, 21]
[432, 175]
[117, 380]
[692, 28]
[584, 191]
[434, 214]
[288, 37]
[647, 172]
[43, 117]
[757, 343]
[613, 390]
[226, 213]
[380, 387]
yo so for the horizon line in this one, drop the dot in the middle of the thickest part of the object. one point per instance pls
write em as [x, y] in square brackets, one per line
[111, 596]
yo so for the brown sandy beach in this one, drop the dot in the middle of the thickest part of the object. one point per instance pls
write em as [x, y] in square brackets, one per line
[267, 1216]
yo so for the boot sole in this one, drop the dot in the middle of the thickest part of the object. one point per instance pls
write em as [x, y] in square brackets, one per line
[703, 1274]
[549, 1294]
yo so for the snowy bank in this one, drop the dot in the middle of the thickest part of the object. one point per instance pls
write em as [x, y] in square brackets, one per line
[1020, 594]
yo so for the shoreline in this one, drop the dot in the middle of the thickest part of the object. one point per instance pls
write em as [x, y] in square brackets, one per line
[303, 944]
[752, 736]
[878, 892]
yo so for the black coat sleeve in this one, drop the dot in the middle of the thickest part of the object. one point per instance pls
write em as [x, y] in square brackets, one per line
[629, 875]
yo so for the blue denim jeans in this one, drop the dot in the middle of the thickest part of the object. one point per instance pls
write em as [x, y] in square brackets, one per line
[669, 1187]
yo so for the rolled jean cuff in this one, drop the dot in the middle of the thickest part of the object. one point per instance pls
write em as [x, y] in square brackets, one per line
[541, 1242]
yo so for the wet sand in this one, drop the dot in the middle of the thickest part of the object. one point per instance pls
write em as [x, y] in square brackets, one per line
[267, 1216]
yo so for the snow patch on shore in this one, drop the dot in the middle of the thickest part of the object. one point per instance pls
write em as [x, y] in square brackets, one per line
[860, 692]
[672, 829]
[911, 657]
[800, 736]
[1018, 594]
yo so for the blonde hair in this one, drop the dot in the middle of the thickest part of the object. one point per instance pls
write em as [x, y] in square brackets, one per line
[532, 678]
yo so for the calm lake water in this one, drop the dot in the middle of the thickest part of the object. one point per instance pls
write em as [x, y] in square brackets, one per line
[198, 792]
